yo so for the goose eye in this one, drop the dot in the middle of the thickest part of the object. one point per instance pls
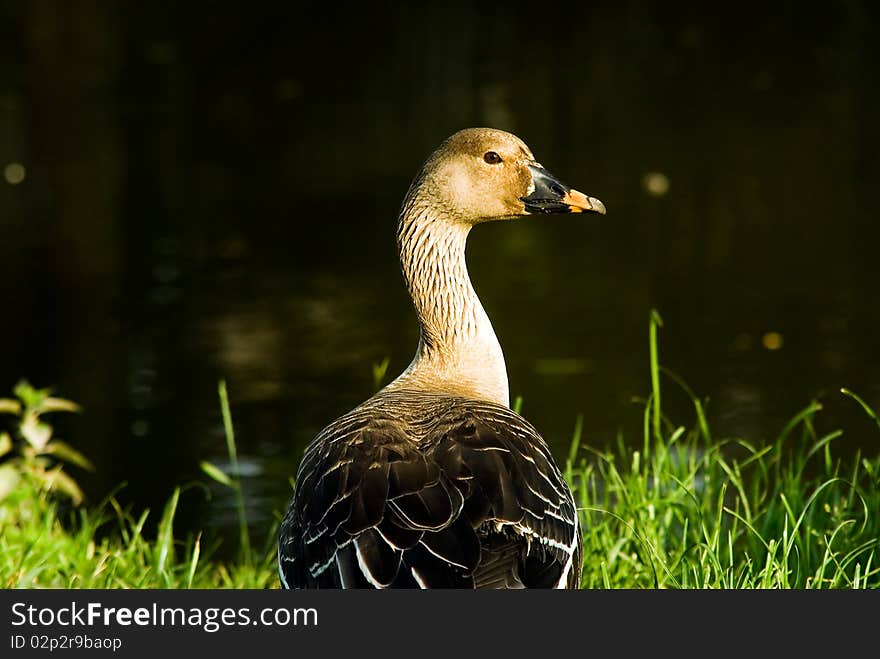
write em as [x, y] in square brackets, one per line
[491, 157]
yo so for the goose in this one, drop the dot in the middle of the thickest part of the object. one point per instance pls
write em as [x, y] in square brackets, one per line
[434, 482]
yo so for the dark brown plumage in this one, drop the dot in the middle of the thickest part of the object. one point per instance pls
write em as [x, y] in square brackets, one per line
[420, 490]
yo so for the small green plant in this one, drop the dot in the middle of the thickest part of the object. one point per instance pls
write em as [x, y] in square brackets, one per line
[232, 481]
[31, 451]
[44, 543]
[380, 369]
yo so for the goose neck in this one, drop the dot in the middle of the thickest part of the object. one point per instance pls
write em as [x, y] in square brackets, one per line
[458, 351]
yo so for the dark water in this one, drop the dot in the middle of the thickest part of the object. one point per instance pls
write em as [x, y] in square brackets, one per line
[211, 193]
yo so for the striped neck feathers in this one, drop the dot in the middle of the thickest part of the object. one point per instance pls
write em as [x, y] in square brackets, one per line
[458, 352]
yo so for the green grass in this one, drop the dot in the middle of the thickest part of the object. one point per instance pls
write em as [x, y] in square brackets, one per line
[682, 510]
[106, 548]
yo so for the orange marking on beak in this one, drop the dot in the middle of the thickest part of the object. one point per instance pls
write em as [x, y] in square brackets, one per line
[578, 202]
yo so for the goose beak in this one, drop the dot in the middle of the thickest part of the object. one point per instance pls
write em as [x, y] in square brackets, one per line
[550, 195]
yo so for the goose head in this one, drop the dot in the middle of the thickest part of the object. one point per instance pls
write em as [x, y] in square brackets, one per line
[483, 174]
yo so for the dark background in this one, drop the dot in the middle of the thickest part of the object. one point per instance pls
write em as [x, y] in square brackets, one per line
[211, 190]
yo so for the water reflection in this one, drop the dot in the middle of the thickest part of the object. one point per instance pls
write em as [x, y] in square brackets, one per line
[176, 211]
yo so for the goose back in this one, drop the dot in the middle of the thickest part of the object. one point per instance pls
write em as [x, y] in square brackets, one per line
[414, 489]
